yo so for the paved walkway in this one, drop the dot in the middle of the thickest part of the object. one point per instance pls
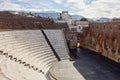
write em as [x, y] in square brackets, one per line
[90, 66]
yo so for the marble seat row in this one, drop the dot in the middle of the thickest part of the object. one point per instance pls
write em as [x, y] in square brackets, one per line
[25, 55]
[12, 65]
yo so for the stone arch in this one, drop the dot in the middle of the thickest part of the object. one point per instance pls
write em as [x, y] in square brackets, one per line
[113, 44]
[88, 39]
[106, 42]
[100, 42]
[94, 42]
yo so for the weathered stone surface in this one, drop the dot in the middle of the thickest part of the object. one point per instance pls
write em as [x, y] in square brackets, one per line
[103, 38]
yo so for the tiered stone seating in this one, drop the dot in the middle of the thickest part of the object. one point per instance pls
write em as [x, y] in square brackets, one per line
[25, 55]
[57, 39]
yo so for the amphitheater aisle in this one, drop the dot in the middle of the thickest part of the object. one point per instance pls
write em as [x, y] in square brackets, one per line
[57, 39]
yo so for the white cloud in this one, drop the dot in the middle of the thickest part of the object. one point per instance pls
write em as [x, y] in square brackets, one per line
[8, 5]
[58, 1]
[75, 2]
[98, 8]
[34, 6]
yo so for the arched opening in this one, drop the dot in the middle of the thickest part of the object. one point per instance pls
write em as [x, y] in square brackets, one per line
[113, 44]
[118, 51]
[89, 40]
[106, 43]
[100, 42]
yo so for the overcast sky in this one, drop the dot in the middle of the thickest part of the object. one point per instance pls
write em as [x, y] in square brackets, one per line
[87, 8]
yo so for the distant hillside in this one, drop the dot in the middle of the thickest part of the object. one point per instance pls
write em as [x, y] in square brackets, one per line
[104, 19]
[76, 17]
[55, 15]
[44, 14]
[101, 19]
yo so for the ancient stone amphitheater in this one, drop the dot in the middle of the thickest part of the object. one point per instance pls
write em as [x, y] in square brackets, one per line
[29, 54]
[34, 49]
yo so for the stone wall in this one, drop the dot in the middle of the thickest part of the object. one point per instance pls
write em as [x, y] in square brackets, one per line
[10, 21]
[71, 37]
[103, 38]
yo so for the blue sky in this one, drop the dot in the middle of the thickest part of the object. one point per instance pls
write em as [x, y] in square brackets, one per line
[87, 8]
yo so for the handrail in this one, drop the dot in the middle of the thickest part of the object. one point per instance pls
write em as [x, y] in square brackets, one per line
[55, 53]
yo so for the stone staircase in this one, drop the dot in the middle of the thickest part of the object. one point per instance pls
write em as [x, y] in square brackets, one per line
[56, 38]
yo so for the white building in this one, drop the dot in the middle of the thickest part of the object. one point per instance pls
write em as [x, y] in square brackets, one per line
[78, 25]
[65, 17]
